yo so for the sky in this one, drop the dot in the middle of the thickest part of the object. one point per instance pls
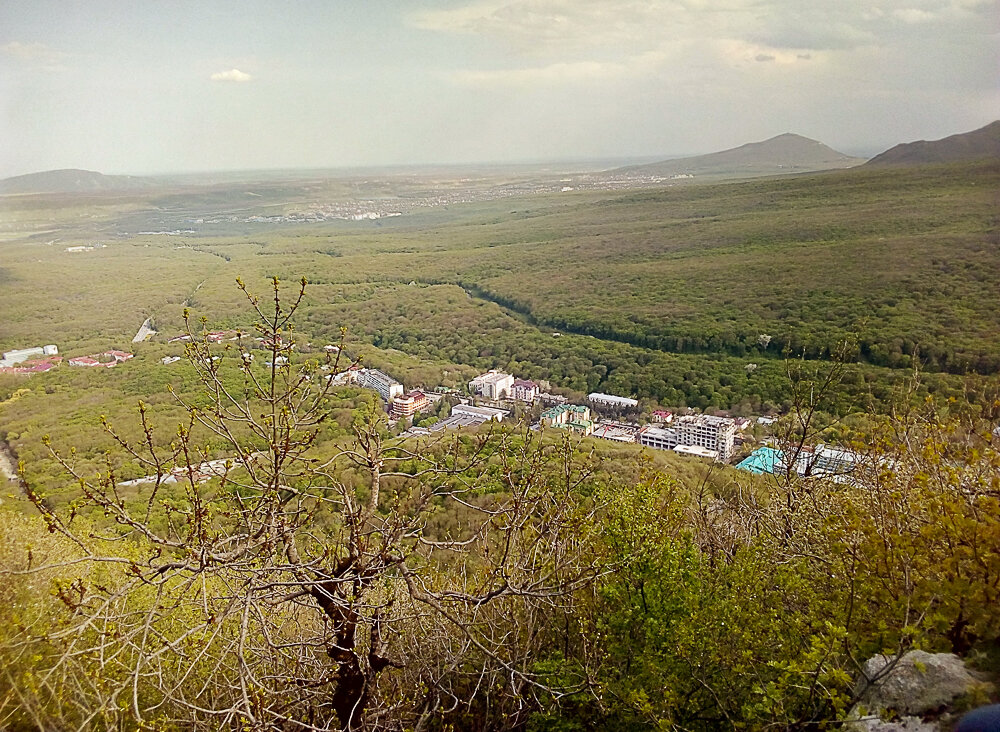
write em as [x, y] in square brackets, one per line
[145, 87]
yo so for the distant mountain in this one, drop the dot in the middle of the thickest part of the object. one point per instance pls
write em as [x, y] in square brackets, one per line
[981, 144]
[786, 153]
[72, 181]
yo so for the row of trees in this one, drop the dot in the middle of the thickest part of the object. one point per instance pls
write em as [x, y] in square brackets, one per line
[814, 342]
[440, 324]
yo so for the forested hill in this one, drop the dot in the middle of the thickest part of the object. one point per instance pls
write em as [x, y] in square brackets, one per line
[675, 293]
[72, 181]
[787, 153]
[981, 144]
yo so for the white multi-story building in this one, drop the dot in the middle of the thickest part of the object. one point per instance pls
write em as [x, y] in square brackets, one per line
[483, 413]
[715, 434]
[386, 386]
[20, 355]
[610, 400]
[712, 433]
[524, 391]
[659, 438]
[492, 385]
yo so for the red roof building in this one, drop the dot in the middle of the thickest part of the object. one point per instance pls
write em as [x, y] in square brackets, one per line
[35, 366]
[409, 404]
[108, 359]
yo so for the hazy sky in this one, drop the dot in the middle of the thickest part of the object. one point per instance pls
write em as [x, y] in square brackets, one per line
[144, 86]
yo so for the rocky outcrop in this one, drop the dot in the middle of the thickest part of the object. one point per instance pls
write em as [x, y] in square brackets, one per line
[914, 692]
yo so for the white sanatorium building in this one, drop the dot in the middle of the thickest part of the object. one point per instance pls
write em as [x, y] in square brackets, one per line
[492, 385]
[524, 391]
[386, 386]
[17, 356]
[610, 400]
[467, 415]
[712, 434]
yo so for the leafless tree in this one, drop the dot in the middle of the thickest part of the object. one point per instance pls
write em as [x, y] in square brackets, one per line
[276, 588]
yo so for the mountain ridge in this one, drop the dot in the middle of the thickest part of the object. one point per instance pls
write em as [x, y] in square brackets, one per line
[979, 144]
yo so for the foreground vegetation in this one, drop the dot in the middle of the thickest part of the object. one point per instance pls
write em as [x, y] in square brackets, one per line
[499, 580]
[737, 604]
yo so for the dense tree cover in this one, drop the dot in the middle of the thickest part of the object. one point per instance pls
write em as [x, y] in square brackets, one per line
[66, 405]
[723, 602]
[906, 261]
[425, 321]
[279, 593]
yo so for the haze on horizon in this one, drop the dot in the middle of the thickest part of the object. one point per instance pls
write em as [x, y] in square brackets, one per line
[200, 85]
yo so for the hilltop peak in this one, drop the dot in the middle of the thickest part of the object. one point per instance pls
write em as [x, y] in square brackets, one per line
[791, 136]
[71, 180]
[782, 154]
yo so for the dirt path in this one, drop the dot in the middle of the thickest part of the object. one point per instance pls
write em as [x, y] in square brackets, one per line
[8, 465]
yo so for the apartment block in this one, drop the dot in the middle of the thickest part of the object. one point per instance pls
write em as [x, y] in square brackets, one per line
[492, 385]
[712, 434]
[524, 391]
[407, 405]
[386, 386]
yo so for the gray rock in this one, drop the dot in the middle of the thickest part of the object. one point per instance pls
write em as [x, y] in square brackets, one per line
[917, 683]
[903, 724]
[861, 719]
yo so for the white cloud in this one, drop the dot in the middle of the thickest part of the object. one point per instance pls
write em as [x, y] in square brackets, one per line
[739, 53]
[231, 75]
[667, 43]
[571, 72]
[34, 54]
[973, 5]
[557, 73]
[913, 15]
[26, 51]
[467, 19]
[538, 27]
[566, 28]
